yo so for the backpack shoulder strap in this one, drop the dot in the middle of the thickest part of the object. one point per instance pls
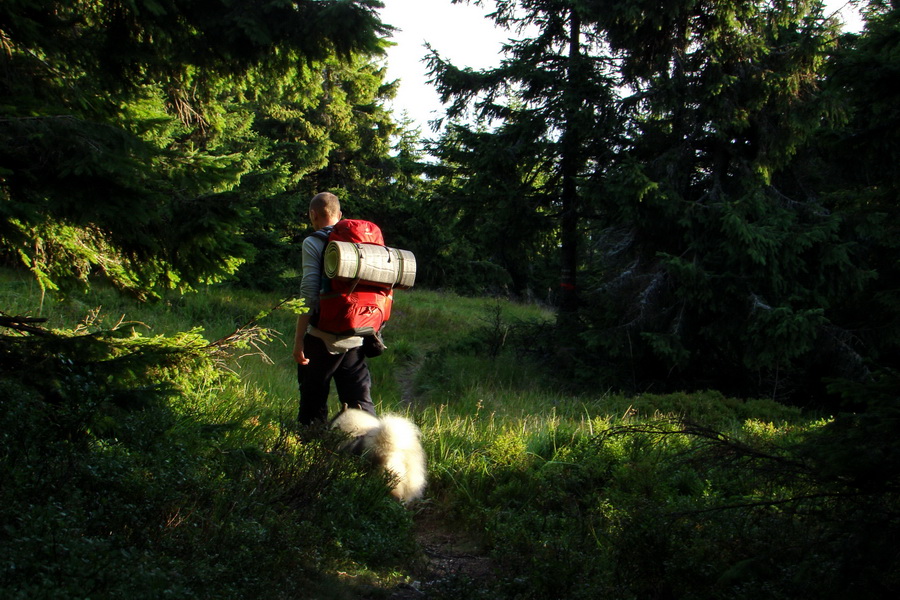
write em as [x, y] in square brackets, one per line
[323, 234]
[324, 285]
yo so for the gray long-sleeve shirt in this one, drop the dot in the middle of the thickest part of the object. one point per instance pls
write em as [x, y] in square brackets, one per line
[311, 283]
[310, 286]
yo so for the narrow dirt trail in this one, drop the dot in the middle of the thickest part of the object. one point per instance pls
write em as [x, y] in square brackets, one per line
[449, 553]
[450, 558]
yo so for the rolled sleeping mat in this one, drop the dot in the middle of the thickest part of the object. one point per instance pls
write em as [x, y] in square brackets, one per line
[370, 263]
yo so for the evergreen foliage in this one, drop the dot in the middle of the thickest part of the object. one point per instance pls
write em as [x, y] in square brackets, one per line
[322, 127]
[853, 165]
[127, 134]
[552, 95]
[715, 274]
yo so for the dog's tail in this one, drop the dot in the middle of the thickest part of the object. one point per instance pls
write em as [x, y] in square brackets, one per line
[398, 446]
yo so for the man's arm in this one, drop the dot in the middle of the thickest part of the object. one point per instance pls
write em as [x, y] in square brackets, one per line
[309, 291]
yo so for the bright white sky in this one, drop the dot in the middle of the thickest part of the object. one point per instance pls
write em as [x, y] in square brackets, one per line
[460, 33]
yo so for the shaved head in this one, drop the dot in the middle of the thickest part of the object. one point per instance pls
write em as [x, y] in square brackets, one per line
[327, 205]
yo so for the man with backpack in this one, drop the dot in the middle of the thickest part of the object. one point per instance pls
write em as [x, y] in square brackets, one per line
[322, 356]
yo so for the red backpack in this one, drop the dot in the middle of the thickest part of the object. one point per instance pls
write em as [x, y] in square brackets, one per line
[352, 306]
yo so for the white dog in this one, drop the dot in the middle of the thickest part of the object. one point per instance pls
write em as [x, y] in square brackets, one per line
[392, 442]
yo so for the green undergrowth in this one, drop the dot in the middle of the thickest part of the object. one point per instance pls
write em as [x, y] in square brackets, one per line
[145, 463]
[150, 450]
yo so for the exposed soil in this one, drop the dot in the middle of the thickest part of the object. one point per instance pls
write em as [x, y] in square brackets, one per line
[406, 376]
[449, 555]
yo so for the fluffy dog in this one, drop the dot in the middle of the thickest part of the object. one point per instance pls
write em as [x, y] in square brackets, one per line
[392, 442]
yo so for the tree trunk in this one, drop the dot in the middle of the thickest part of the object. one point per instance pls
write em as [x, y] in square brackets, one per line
[568, 293]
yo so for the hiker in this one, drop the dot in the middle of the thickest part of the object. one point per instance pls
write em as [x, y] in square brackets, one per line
[323, 356]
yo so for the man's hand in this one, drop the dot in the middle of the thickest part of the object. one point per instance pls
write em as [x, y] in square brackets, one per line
[299, 356]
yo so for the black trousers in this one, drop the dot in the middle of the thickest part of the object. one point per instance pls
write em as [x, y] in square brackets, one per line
[349, 372]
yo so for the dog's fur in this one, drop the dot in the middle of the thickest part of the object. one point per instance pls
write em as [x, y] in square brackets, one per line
[392, 442]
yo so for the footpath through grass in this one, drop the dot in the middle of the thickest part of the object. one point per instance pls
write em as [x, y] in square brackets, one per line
[151, 463]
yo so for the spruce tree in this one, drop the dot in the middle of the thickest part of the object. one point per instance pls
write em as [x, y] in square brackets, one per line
[552, 95]
[124, 139]
[854, 164]
[719, 271]
[325, 127]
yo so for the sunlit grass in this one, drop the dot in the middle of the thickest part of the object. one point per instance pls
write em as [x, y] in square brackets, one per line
[435, 369]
